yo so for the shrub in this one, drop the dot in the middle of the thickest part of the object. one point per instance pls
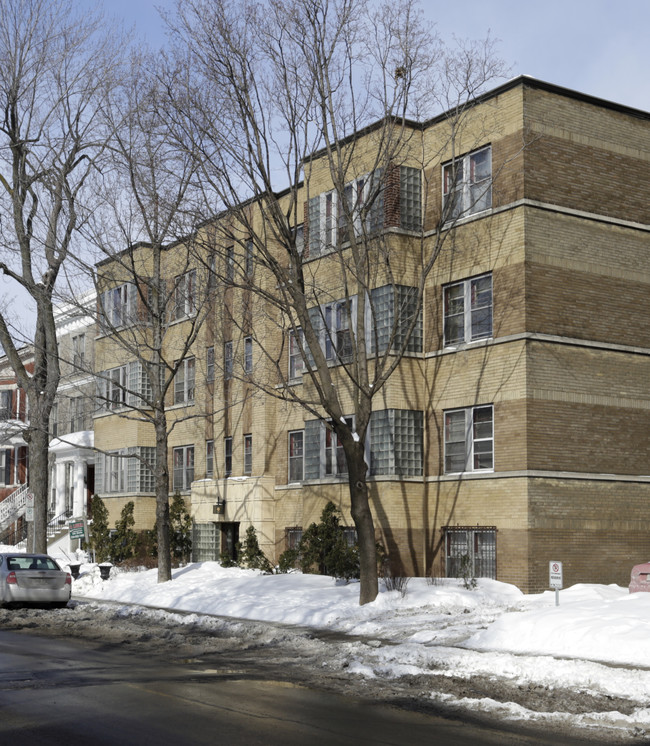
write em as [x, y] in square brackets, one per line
[324, 549]
[100, 536]
[124, 540]
[180, 530]
[250, 554]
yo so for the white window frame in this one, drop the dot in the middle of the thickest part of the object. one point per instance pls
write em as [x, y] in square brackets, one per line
[185, 382]
[209, 364]
[248, 454]
[185, 295]
[296, 461]
[467, 295]
[116, 383]
[296, 363]
[477, 445]
[227, 456]
[471, 187]
[249, 258]
[209, 458]
[118, 305]
[78, 350]
[248, 355]
[227, 360]
[333, 463]
[185, 469]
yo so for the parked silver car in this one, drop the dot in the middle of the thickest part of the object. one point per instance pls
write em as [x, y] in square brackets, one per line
[33, 579]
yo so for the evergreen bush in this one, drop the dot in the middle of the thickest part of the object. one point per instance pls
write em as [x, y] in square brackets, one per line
[124, 540]
[100, 536]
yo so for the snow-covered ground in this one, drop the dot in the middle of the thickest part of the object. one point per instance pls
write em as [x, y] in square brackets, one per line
[596, 641]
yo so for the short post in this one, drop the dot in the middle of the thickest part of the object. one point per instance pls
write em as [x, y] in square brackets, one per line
[555, 579]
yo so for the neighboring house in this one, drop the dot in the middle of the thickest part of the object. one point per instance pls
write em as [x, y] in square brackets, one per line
[14, 416]
[514, 432]
[71, 448]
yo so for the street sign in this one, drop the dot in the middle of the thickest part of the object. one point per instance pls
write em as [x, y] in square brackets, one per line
[29, 512]
[555, 575]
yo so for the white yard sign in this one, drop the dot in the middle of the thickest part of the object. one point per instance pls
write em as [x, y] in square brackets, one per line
[555, 579]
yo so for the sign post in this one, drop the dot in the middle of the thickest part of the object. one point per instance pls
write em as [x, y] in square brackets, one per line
[555, 579]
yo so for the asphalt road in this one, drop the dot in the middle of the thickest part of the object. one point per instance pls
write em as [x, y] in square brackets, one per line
[55, 691]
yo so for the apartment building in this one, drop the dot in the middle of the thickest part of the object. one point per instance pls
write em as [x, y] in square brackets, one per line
[514, 430]
[72, 457]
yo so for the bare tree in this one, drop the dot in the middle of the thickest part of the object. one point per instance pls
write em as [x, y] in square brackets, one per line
[56, 69]
[148, 279]
[309, 110]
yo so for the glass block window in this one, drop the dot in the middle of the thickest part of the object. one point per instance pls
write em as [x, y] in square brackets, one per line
[410, 196]
[313, 429]
[396, 442]
[394, 307]
[206, 542]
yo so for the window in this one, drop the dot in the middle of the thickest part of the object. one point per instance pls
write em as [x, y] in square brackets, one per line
[78, 350]
[77, 414]
[335, 463]
[296, 456]
[115, 387]
[209, 458]
[469, 439]
[249, 258]
[117, 305]
[184, 382]
[395, 442]
[471, 551]
[392, 310]
[333, 325]
[128, 470]
[227, 456]
[227, 360]
[185, 295]
[248, 355]
[410, 198]
[467, 184]
[296, 363]
[468, 310]
[6, 398]
[299, 238]
[293, 535]
[183, 467]
[209, 364]
[248, 454]
[230, 264]
[328, 220]
[54, 419]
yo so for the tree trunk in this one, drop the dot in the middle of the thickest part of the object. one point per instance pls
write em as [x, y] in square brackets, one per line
[363, 522]
[38, 440]
[162, 501]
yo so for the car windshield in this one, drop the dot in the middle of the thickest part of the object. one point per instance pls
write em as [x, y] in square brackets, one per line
[31, 563]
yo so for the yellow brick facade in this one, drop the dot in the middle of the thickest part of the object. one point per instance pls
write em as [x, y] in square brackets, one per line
[565, 370]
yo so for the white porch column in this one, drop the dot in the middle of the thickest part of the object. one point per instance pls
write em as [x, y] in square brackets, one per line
[79, 494]
[60, 487]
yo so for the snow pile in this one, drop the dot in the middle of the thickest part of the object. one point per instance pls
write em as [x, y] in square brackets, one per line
[603, 623]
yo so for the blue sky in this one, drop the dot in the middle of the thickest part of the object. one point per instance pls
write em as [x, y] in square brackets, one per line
[599, 47]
